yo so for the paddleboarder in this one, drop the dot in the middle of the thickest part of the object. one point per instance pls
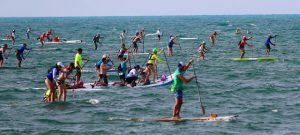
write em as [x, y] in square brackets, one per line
[13, 37]
[170, 45]
[137, 38]
[213, 37]
[3, 54]
[96, 40]
[78, 66]
[242, 44]
[202, 50]
[122, 36]
[20, 52]
[153, 58]
[51, 79]
[61, 84]
[56, 39]
[28, 32]
[132, 76]
[158, 34]
[122, 51]
[268, 44]
[48, 34]
[177, 86]
[42, 39]
[102, 70]
[238, 31]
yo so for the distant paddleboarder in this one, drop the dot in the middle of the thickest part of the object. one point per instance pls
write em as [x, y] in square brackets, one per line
[3, 54]
[238, 31]
[170, 45]
[213, 37]
[48, 34]
[268, 44]
[13, 37]
[20, 53]
[122, 36]
[28, 32]
[202, 50]
[42, 39]
[96, 40]
[158, 34]
[177, 87]
[242, 44]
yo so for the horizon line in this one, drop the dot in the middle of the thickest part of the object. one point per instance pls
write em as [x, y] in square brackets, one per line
[151, 15]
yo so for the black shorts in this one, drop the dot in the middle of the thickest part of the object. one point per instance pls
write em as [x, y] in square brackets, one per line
[1, 57]
[60, 82]
[122, 76]
[135, 45]
[131, 79]
[78, 72]
[104, 78]
[19, 56]
[268, 46]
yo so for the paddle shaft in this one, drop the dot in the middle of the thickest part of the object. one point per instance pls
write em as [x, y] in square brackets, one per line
[202, 107]
[167, 63]
[27, 54]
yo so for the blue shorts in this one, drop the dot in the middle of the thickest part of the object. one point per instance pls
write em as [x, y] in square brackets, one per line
[178, 94]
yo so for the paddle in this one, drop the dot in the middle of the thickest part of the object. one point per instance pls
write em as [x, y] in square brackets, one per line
[27, 55]
[202, 107]
[167, 63]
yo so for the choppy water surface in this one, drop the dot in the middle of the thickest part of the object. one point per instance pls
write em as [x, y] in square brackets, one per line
[265, 94]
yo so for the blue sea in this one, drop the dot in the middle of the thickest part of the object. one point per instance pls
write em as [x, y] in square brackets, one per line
[264, 94]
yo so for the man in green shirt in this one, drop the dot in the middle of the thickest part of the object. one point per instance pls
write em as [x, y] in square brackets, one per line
[78, 65]
[177, 86]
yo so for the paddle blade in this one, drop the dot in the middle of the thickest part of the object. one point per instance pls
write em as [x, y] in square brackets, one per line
[203, 109]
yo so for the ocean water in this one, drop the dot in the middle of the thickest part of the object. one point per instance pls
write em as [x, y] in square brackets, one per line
[264, 94]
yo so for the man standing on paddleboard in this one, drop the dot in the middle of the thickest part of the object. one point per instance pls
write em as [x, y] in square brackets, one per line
[2, 54]
[20, 52]
[242, 44]
[177, 86]
[78, 66]
[268, 44]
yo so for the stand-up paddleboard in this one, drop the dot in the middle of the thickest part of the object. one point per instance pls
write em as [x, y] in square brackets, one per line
[86, 87]
[212, 117]
[253, 59]
[5, 39]
[152, 34]
[64, 42]
[188, 38]
[138, 54]
[45, 49]
[93, 70]
[158, 83]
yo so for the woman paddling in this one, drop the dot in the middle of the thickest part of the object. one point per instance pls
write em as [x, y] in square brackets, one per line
[242, 44]
[52, 78]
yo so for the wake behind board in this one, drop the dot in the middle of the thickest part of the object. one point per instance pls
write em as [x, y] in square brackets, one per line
[254, 59]
[212, 117]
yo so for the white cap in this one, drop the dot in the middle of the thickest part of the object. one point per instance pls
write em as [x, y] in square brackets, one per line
[203, 42]
[104, 56]
[60, 64]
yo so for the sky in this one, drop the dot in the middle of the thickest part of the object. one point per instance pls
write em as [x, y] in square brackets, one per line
[57, 8]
